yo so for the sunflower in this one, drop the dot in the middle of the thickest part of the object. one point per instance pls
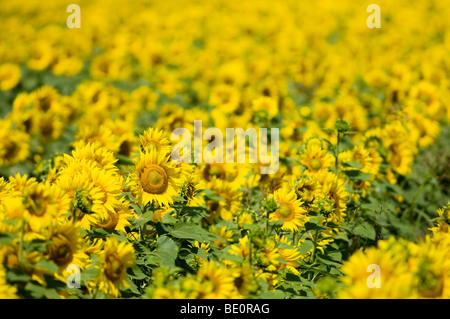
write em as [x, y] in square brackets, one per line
[41, 55]
[6, 291]
[154, 139]
[205, 250]
[267, 256]
[306, 189]
[45, 99]
[244, 280]
[88, 199]
[360, 155]
[230, 201]
[224, 233]
[289, 210]
[100, 156]
[64, 244]
[155, 179]
[21, 183]
[9, 76]
[215, 282]
[225, 98]
[242, 248]
[14, 144]
[117, 220]
[245, 218]
[292, 256]
[442, 222]
[5, 188]
[316, 159]
[115, 258]
[108, 184]
[265, 104]
[395, 278]
[44, 204]
[360, 189]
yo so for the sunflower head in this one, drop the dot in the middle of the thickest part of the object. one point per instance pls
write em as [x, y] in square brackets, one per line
[154, 139]
[155, 179]
[116, 258]
[289, 210]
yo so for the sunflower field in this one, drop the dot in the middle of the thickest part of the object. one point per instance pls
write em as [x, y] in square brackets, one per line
[92, 205]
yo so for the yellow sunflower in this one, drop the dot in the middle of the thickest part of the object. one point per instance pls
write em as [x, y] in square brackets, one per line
[316, 159]
[9, 76]
[64, 244]
[116, 258]
[43, 204]
[14, 144]
[155, 179]
[6, 291]
[289, 210]
[154, 139]
[215, 282]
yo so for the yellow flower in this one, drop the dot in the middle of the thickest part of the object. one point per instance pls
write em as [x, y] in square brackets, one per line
[154, 139]
[14, 144]
[9, 76]
[100, 156]
[394, 279]
[6, 291]
[64, 244]
[225, 97]
[44, 204]
[215, 282]
[155, 179]
[316, 159]
[289, 210]
[292, 255]
[266, 104]
[116, 258]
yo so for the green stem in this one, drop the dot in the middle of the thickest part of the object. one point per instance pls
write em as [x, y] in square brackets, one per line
[337, 151]
[313, 255]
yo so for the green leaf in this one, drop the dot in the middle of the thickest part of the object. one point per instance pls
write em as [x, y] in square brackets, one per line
[47, 264]
[123, 160]
[314, 226]
[144, 219]
[36, 291]
[6, 238]
[306, 246]
[352, 164]
[365, 230]
[167, 250]
[51, 294]
[192, 231]
[357, 175]
[136, 273]
[133, 287]
[327, 260]
[12, 276]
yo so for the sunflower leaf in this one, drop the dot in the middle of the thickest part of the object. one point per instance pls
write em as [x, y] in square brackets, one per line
[167, 250]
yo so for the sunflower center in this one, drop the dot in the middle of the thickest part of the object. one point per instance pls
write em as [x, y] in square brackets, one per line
[11, 150]
[114, 269]
[359, 185]
[61, 252]
[152, 145]
[430, 283]
[37, 206]
[215, 170]
[315, 164]
[284, 211]
[110, 221]
[154, 179]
